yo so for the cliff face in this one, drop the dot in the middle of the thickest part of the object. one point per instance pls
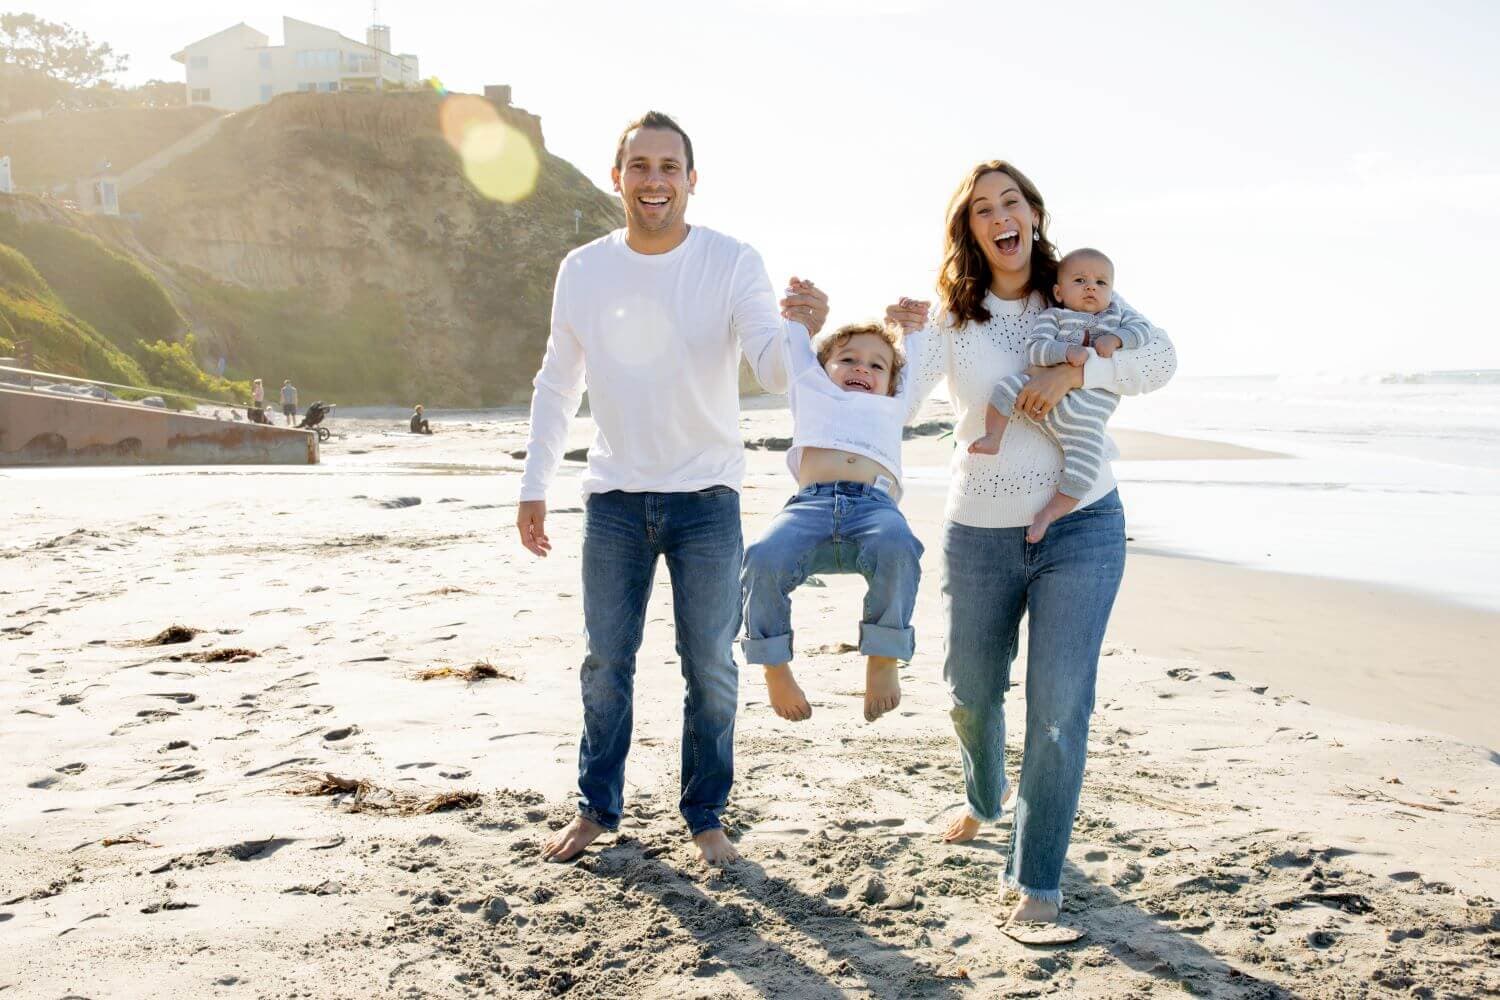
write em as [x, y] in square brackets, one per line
[333, 239]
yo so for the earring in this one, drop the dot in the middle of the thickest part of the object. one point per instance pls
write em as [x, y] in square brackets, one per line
[1036, 234]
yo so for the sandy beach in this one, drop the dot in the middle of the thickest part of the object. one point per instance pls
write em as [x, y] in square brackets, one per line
[1292, 786]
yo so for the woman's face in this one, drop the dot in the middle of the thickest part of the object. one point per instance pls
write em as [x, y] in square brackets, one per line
[1001, 222]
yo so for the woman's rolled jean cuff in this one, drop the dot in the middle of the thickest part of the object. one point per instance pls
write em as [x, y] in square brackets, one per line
[980, 817]
[882, 640]
[772, 650]
[1045, 895]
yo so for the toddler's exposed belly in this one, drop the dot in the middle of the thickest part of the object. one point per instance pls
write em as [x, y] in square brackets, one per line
[828, 465]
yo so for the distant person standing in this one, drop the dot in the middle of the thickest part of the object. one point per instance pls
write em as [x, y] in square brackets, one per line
[258, 397]
[289, 402]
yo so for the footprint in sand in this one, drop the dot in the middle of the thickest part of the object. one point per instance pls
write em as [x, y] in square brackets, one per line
[76, 768]
[342, 733]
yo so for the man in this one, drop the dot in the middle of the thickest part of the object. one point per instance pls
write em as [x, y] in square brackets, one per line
[654, 317]
[289, 402]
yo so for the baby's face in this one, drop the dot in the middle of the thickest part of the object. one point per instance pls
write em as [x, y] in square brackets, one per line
[862, 364]
[1086, 285]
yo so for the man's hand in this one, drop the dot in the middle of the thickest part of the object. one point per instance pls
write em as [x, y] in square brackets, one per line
[909, 314]
[1077, 356]
[805, 303]
[1106, 344]
[531, 515]
[1046, 388]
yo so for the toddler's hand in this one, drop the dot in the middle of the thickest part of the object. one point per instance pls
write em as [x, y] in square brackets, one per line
[909, 314]
[1077, 356]
[1107, 344]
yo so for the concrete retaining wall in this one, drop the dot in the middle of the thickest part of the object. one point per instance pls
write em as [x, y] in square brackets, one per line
[41, 429]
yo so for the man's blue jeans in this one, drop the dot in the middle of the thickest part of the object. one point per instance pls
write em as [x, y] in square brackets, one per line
[623, 535]
[840, 527]
[1066, 584]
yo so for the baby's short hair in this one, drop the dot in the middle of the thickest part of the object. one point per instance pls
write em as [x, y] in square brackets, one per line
[885, 331]
[1083, 254]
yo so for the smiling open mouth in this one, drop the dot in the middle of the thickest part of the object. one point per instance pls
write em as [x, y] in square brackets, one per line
[654, 200]
[862, 384]
[1008, 242]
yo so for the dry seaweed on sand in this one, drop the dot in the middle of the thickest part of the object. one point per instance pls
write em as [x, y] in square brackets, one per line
[222, 655]
[367, 797]
[171, 635]
[482, 670]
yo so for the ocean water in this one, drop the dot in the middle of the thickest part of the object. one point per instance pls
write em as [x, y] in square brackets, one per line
[1391, 480]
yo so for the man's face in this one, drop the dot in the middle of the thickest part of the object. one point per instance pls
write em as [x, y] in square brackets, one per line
[653, 179]
[1085, 285]
[862, 364]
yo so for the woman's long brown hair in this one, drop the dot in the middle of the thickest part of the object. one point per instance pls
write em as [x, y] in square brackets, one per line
[965, 275]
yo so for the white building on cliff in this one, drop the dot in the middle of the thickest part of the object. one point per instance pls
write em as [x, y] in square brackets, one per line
[237, 67]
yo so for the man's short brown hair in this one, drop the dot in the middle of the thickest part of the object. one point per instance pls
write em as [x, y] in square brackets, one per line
[838, 338]
[653, 119]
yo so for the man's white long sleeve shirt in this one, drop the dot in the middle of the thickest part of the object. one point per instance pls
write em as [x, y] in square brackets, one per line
[656, 340]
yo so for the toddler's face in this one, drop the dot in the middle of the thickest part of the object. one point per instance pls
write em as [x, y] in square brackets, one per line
[862, 364]
[1086, 285]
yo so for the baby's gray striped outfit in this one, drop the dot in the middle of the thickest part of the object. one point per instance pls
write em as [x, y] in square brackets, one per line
[1077, 423]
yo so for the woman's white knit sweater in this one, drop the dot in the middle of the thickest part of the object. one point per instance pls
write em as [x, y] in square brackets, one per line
[1007, 490]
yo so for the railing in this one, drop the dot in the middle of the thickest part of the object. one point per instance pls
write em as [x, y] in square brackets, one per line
[147, 390]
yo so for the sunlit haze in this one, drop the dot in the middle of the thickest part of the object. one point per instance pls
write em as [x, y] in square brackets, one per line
[1284, 187]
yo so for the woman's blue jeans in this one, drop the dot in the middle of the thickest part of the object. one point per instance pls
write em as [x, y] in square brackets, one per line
[623, 536]
[1066, 584]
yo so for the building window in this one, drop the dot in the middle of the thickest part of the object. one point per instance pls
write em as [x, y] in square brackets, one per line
[265, 60]
[331, 87]
[265, 92]
[200, 95]
[198, 62]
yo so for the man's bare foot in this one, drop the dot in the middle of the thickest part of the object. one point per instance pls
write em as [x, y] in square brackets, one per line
[882, 687]
[569, 842]
[1056, 507]
[786, 697]
[963, 829]
[1031, 909]
[987, 445]
[714, 847]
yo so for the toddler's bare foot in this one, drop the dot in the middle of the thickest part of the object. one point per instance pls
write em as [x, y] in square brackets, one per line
[569, 842]
[1056, 507]
[786, 697]
[714, 847]
[963, 829]
[882, 687]
[987, 445]
[1030, 909]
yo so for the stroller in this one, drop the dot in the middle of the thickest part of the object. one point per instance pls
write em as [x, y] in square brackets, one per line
[257, 414]
[312, 420]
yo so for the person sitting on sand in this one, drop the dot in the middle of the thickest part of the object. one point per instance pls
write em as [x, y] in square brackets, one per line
[419, 424]
[847, 411]
[1091, 321]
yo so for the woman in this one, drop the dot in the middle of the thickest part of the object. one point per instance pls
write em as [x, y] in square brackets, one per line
[998, 273]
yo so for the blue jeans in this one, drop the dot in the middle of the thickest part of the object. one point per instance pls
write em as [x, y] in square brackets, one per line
[839, 527]
[1067, 584]
[623, 534]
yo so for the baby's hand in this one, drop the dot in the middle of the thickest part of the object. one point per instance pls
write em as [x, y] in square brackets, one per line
[1077, 356]
[1106, 344]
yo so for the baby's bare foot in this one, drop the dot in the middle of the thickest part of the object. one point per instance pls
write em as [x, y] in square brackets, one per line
[569, 842]
[1058, 506]
[882, 687]
[786, 697]
[714, 847]
[987, 445]
[963, 829]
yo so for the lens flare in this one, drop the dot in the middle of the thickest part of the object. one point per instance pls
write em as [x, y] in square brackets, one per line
[436, 85]
[498, 159]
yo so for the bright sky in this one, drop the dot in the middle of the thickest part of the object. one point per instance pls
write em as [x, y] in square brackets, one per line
[1285, 187]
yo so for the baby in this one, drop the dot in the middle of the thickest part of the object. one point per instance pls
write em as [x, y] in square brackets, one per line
[847, 413]
[1092, 321]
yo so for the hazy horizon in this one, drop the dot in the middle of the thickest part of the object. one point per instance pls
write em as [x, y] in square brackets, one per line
[1353, 148]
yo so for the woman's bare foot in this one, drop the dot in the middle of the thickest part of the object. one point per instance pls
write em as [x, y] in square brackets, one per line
[987, 445]
[1030, 909]
[786, 697]
[571, 841]
[714, 847]
[963, 829]
[882, 687]
[1059, 505]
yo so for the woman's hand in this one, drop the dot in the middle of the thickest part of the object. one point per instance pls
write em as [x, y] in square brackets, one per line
[805, 303]
[909, 314]
[1046, 388]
